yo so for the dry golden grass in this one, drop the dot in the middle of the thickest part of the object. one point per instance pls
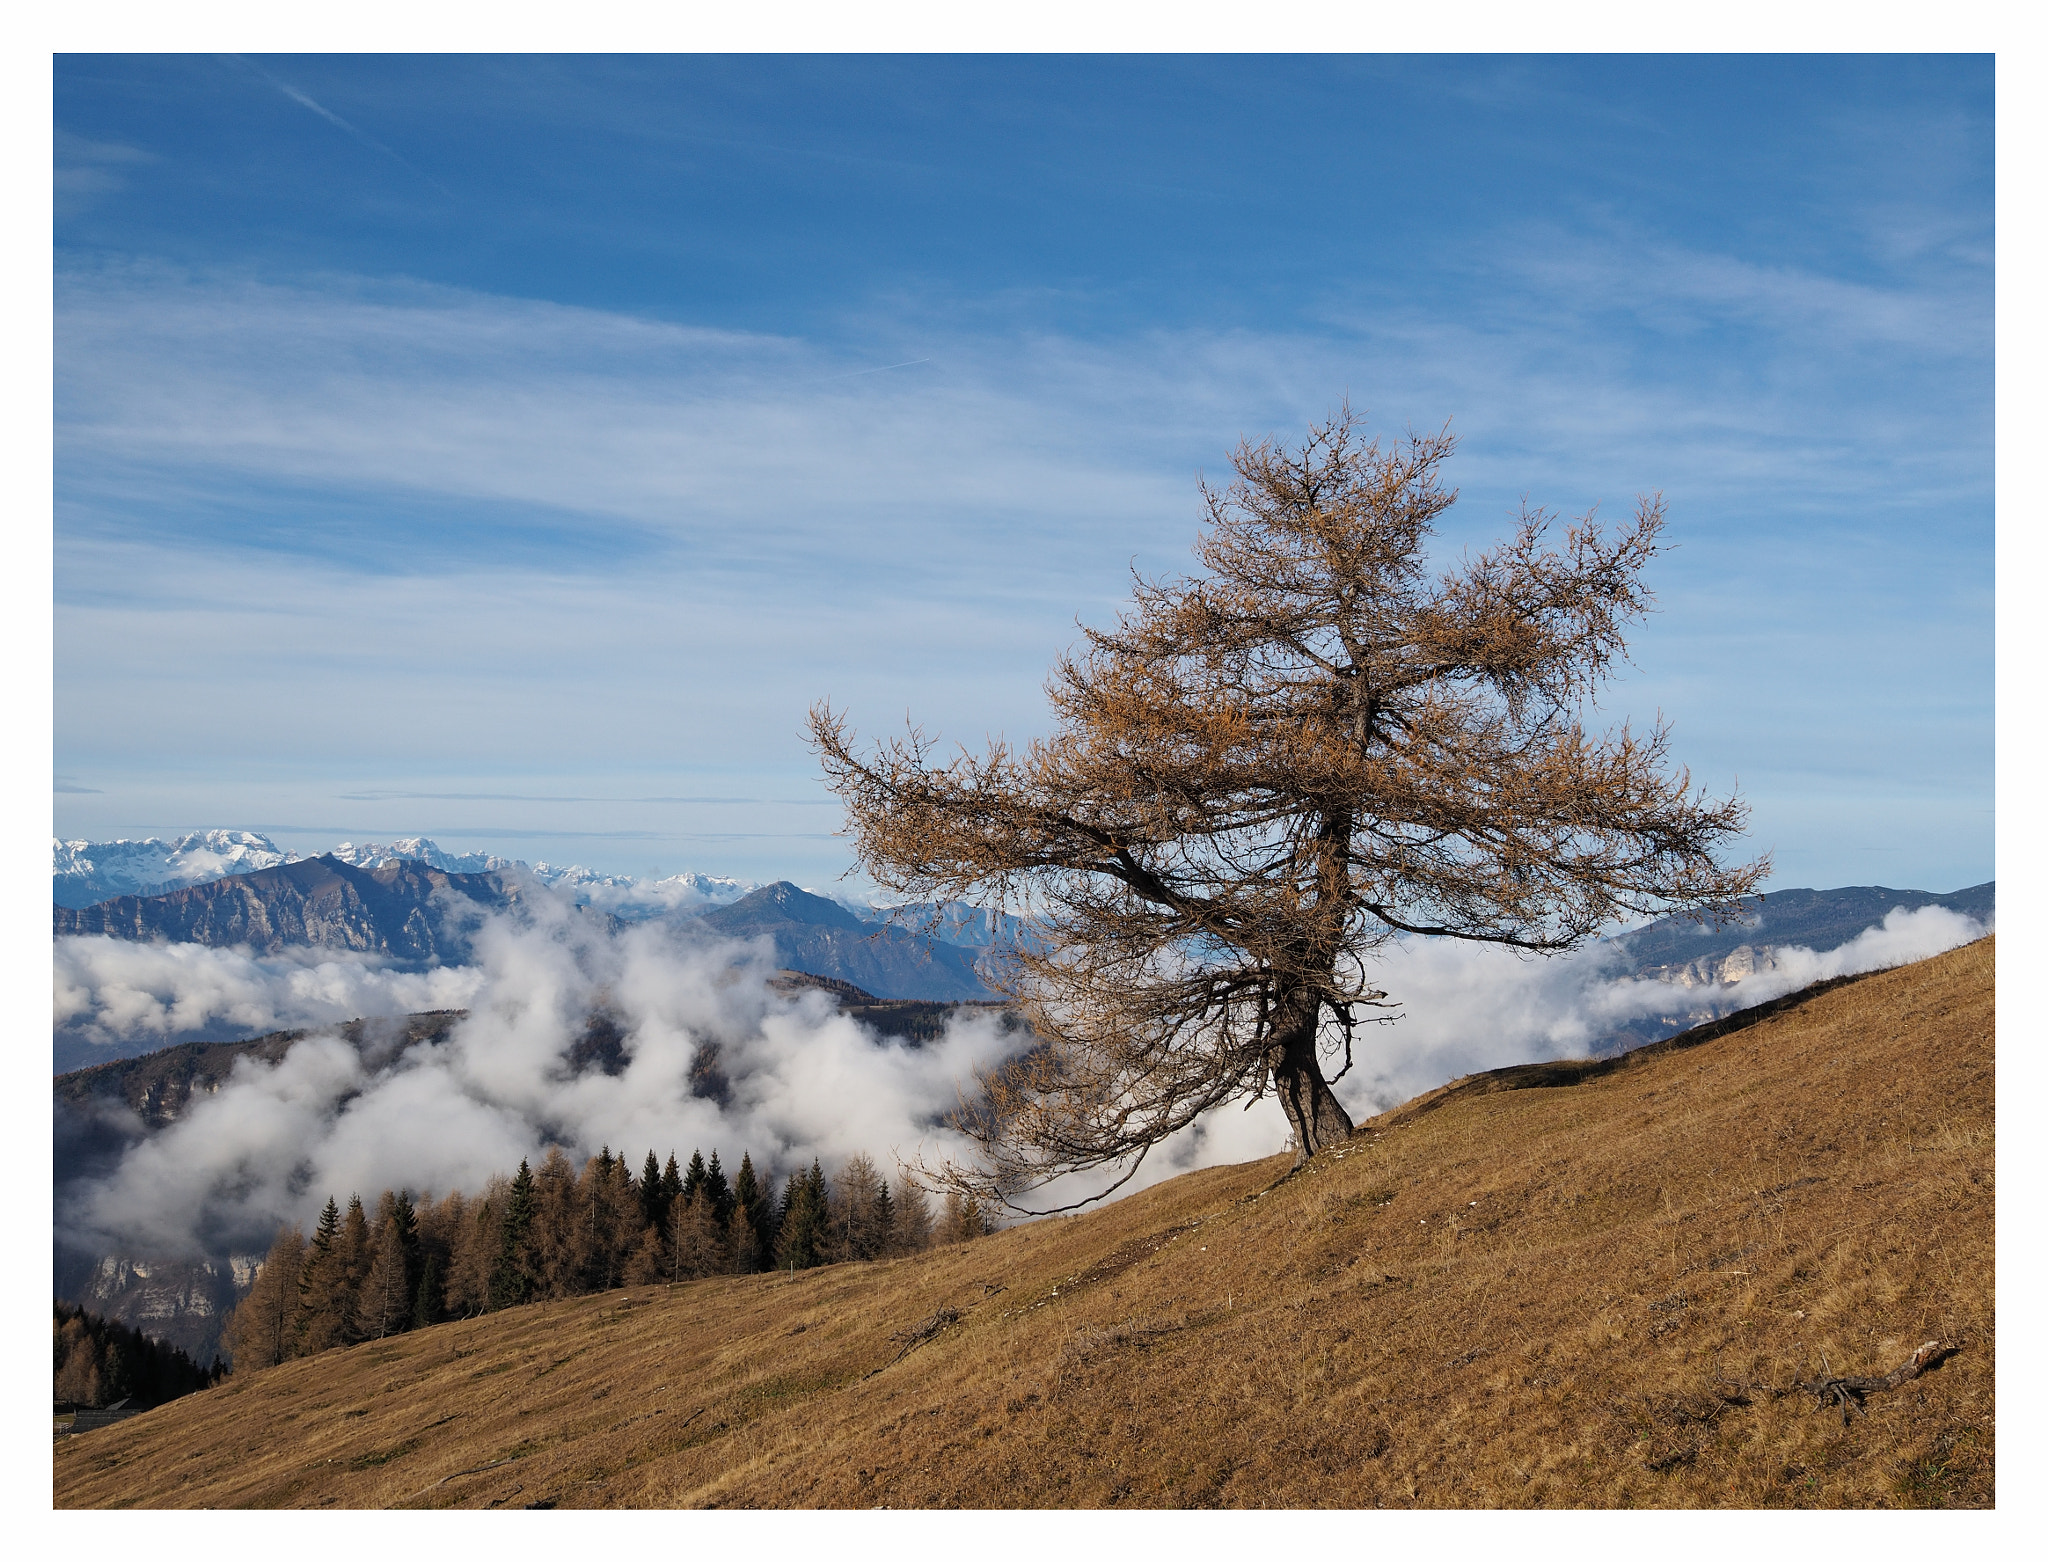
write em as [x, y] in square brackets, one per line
[1537, 1297]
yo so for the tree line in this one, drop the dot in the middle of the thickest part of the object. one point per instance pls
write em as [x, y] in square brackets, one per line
[552, 1232]
[99, 1362]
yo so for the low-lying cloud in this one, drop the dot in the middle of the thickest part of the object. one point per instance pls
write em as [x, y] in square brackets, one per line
[713, 1057]
[1466, 1008]
[118, 995]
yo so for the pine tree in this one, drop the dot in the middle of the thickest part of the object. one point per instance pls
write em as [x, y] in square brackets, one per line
[648, 1261]
[885, 1221]
[556, 1254]
[325, 1235]
[611, 1207]
[323, 1314]
[671, 1182]
[473, 1255]
[852, 1210]
[963, 1219]
[652, 1202]
[354, 1249]
[693, 1178]
[441, 1224]
[750, 1195]
[716, 1191]
[387, 1301]
[802, 1240]
[510, 1283]
[426, 1296]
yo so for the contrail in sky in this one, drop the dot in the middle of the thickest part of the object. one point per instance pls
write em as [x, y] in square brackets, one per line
[328, 114]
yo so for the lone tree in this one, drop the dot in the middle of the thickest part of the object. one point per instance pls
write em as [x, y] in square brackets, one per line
[1273, 766]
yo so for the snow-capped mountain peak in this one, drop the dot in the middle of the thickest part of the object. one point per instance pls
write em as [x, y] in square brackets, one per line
[87, 872]
[417, 848]
[84, 873]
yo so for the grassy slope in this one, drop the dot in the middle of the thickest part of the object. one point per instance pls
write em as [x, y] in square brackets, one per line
[1526, 1297]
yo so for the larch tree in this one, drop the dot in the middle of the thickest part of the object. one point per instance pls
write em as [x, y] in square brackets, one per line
[387, 1300]
[260, 1331]
[696, 1245]
[1309, 746]
[913, 1217]
[743, 1239]
[855, 1222]
[473, 1254]
[557, 1250]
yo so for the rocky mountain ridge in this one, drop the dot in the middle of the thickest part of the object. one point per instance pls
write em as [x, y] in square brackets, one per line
[822, 937]
[402, 909]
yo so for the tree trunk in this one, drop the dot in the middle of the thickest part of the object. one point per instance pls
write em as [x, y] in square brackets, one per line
[1312, 1108]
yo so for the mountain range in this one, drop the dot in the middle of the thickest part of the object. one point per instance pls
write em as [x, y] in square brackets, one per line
[407, 911]
[85, 873]
[401, 909]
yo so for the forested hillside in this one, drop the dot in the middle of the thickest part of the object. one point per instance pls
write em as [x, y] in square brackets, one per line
[556, 1232]
[99, 1362]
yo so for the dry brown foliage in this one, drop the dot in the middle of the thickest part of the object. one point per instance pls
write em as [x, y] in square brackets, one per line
[1269, 769]
[1606, 1293]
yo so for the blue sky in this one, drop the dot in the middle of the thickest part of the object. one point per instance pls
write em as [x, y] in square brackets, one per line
[510, 450]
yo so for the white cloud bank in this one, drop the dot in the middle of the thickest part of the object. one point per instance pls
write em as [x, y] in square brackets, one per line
[801, 1080]
[113, 992]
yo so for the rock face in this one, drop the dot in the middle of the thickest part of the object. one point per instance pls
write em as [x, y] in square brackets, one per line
[1717, 970]
[182, 1303]
[822, 937]
[403, 909]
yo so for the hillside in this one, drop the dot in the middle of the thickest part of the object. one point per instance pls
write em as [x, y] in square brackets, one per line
[1588, 1286]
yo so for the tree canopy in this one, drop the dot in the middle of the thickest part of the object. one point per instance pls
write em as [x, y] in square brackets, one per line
[1310, 745]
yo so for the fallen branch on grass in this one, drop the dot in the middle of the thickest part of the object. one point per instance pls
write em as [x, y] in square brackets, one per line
[473, 1470]
[1849, 1393]
[912, 1338]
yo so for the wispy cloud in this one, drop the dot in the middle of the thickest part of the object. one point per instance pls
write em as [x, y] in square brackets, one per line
[85, 170]
[658, 542]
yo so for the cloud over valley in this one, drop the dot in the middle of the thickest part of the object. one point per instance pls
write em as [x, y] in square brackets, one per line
[709, 1055]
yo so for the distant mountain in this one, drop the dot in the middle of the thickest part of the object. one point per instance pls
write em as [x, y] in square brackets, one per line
[417, 848]
[400, 909]
[953, 921]
[822, 937]
[642, 900]
[84, 873]
[1707, 966]
[1691, 954]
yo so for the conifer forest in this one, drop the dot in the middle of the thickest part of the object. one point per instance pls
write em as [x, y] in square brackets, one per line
[553, 1231]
